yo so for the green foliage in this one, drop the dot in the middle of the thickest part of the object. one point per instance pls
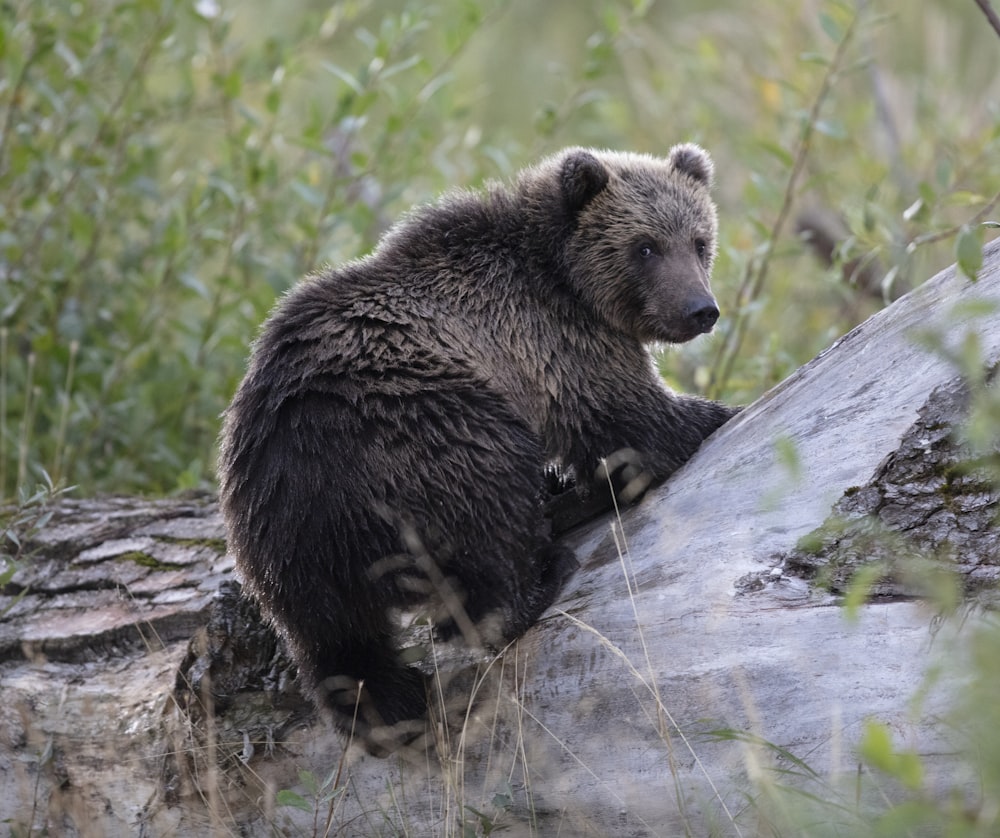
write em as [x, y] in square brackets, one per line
[321, 799]
[890, 795]
[860, 586]
[161, 181]
[877, 750]
[969, 810]
[481, 823]
[969, 250]
[167, 169]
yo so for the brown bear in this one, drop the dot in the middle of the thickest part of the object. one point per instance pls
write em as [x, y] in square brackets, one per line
[389, 443]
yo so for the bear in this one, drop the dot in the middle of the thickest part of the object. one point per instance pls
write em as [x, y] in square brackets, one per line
[389, 445]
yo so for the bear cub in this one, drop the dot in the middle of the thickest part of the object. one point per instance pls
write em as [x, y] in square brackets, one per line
[389, 445]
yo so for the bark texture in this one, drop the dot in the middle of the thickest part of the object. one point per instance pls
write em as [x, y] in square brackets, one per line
[142, 695]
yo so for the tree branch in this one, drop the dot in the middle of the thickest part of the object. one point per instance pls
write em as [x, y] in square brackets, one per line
[991, 15]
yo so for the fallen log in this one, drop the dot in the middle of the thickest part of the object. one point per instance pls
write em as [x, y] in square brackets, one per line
[700, 645]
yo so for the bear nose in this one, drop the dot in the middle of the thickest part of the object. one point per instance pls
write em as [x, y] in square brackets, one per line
[703, 315]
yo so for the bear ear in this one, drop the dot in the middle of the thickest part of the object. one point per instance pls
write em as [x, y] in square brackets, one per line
[692, 160]
[583, 176]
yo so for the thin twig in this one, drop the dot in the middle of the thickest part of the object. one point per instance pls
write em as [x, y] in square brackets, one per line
[753, 282]
[991, 15]
[978, 218]
[15, 98]
[103, 128]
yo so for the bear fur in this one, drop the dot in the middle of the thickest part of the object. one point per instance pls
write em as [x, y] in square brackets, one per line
[388, 446]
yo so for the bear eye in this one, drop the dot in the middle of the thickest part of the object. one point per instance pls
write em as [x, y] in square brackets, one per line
[701, 248]
[646, 250]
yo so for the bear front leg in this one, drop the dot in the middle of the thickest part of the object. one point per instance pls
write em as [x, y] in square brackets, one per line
[643, 440]
[653, 433]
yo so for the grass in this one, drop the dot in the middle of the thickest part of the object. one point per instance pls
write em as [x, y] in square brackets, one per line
[889, 792]
[500, 766]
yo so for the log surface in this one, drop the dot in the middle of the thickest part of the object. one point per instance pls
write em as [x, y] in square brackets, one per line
[142, 695]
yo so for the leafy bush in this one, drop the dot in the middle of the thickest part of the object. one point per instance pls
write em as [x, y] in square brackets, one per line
[160, 182]
[168, 168]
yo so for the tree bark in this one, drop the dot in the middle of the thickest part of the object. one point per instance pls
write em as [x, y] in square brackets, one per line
[142, 695]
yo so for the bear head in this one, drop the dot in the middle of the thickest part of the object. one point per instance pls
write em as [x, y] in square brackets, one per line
[642, 239]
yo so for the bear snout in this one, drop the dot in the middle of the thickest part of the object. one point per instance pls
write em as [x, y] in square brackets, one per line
[702, 315]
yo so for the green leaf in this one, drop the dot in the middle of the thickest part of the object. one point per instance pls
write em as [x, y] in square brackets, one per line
[910, 769]
[927, 193]
[831, 27]
[943, 172]
[343, 75]
[788, 456]
[311, 196]
[309, 781]
[860, 588]
[965, 198]
[876, 749]
[286, 797]
[814, 58]
[9, 569]
[331, 778]
[776, 150]
[831, 128]
[401, 66]
[919, 817]
[888, 280]
[232, 84]
[875, 746]
[612, 20]
[273, 100]
[45, 38]
[969, 251]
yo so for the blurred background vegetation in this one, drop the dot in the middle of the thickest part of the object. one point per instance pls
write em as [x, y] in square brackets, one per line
[167, 169]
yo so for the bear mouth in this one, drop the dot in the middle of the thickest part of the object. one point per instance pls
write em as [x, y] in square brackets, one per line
[673, 334]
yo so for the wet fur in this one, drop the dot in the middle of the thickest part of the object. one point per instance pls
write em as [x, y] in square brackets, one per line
[387, 446]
